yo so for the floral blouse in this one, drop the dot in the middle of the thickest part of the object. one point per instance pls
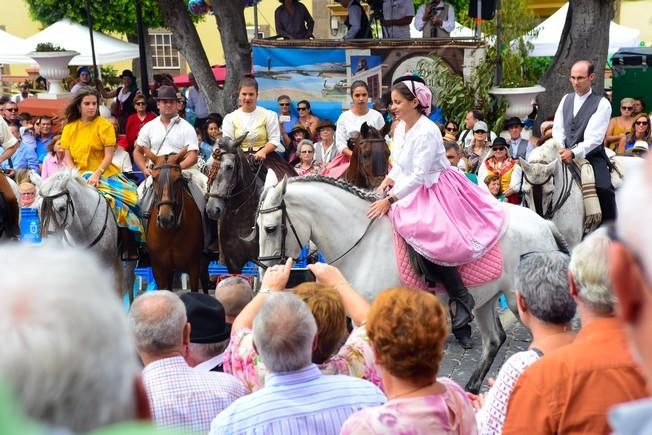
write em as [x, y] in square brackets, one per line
[355, 358]
[314, 169]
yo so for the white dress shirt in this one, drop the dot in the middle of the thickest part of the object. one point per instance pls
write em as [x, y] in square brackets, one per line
[595, 129]
[173, 139]
[449, 21]
[420, 157]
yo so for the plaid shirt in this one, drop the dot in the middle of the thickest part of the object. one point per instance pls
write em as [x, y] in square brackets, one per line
[187, 398]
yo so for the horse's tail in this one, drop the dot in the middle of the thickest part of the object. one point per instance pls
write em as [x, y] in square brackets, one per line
[562, 244]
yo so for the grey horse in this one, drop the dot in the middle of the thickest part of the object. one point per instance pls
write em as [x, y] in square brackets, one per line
[76, 214]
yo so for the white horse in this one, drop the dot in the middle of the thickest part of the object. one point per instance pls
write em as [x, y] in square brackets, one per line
[76, 214]
[551, 191]
[333, 214]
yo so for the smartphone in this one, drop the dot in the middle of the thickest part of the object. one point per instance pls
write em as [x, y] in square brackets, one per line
[284, 118]
[299, 276]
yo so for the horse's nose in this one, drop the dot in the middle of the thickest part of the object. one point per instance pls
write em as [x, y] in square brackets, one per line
[165, 221]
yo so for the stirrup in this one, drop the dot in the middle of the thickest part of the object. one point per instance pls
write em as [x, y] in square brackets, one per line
[460, 318]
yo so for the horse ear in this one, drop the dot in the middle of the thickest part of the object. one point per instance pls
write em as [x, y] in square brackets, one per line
[525, 166]
[284, 184]
[238, 140]
[364, 129]
[149, 154]
[550, 167]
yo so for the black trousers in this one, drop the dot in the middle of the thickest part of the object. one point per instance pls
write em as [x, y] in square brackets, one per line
[603, 187]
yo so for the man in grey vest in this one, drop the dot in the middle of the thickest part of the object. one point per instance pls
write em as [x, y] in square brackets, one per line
[580, 125]
[436, 19]
[519, 148]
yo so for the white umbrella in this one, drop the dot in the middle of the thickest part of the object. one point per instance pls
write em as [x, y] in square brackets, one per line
[549, 35]
[73, 36]
[13, 49]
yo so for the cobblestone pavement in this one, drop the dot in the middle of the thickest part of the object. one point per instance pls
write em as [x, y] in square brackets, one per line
[458, 364]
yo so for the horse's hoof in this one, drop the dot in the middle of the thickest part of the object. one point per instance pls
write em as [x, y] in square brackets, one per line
[465, 342]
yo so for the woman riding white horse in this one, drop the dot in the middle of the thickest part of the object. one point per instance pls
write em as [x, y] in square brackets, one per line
[445, 218]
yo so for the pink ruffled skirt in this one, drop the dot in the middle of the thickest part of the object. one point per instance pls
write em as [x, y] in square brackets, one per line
[337, 167]
[452, 222]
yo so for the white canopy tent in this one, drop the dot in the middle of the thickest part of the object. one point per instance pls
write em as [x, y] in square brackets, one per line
[73, 36]
[549, 35]
[13, 49]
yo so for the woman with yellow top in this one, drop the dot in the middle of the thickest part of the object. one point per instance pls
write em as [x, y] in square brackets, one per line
[620, 126]
[262, 128]
[88, 141]
[499, 163]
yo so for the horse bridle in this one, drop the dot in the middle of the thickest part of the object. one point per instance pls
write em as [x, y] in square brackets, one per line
[229, 193]
[176, 203]
[285, 221]
[48, 212]
[554, 206]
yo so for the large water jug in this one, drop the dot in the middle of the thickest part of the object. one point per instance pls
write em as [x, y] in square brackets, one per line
[30, 227]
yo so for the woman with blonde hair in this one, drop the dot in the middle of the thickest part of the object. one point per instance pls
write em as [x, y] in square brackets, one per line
[640, 132]
[620, 126]
[407, 329]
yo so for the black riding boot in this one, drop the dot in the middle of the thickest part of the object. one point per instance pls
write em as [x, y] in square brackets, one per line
[211, 242]
[460, 301]
[129, 247]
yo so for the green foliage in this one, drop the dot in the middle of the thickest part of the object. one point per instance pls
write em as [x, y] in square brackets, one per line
[110, 76]
[48, 47]
[108, 15]
[455, 97]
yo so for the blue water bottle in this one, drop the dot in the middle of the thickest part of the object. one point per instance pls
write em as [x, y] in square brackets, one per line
[30, 227]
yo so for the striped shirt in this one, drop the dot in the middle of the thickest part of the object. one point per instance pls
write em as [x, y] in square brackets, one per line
[300, 402]
[186, 398]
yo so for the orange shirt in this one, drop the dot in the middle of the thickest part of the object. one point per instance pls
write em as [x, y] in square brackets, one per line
[570, 390]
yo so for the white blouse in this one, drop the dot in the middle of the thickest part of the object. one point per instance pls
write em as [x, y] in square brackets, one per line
[419, 156]
[348, 122]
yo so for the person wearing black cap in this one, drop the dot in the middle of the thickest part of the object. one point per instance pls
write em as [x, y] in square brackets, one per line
[209, 332]
[519, 148]
[445, 220]
[123, 106]
[499, 163]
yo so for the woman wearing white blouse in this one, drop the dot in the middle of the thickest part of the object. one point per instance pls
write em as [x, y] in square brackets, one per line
[444, 217]
[351, 120]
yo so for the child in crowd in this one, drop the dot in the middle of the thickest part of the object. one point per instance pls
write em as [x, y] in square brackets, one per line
[212, 132]
[493, 183]
[53, 161]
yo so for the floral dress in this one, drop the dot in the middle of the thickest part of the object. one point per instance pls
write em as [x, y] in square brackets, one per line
[355, 358]
[314, 169]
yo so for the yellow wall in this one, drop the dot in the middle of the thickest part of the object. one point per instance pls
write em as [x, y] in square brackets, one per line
[637, 14]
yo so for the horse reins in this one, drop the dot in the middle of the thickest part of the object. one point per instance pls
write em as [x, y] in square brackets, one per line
[561, 200]
[285, 217]
[230, 194]
[177, 203]
[48, 212]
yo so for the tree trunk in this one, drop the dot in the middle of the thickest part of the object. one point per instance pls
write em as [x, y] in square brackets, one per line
[177, 19]
[585, 36]
[229, 16]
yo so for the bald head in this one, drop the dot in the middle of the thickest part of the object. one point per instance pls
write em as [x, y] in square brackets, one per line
[234, 294]
[159, 322]
[582, 75]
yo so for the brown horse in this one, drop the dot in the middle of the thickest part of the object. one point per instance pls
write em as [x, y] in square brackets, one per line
[369, 162]
[9, 210]
[174, 232]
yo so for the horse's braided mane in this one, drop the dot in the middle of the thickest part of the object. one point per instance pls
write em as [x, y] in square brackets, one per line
[367, 195]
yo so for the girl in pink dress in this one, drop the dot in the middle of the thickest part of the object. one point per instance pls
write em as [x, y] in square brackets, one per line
[53, 161]
[444, 217]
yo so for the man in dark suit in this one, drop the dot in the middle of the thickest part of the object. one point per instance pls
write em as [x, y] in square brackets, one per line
[518, 147]
[209, 332]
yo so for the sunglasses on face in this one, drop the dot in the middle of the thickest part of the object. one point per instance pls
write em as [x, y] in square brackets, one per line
[283, 104]
[302, 108]
[12, 110]
[500, 149]
[641, 123]
[480, 132]
[140, 103]
[451, 129]
[626, 107]
[306, 152]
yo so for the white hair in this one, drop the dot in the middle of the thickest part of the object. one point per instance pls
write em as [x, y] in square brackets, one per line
[234, 293]
[589, 266]
[67, 352]
[157, 319]
[284, 330]
[634, 214]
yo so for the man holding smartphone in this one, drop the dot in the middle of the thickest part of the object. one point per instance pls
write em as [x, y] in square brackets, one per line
[286, 118]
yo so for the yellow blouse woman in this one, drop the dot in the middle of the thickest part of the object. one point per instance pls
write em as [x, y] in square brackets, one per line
[88, 141]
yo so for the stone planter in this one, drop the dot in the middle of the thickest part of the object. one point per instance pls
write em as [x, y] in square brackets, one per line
[53, 65]
[519, 100]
